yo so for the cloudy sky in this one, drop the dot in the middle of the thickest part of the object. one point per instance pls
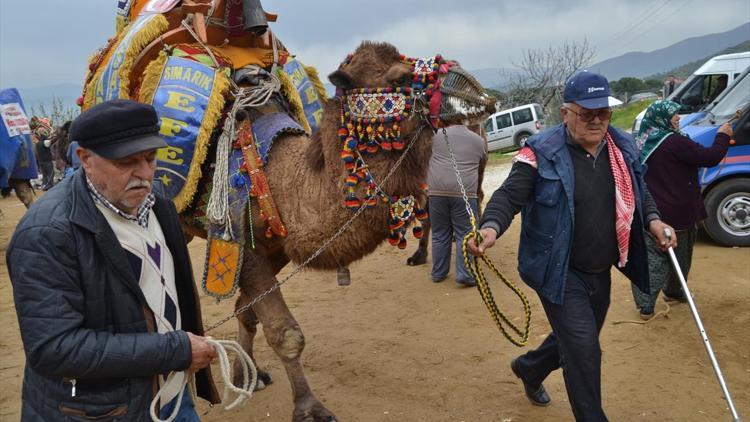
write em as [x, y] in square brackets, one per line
[44, 42]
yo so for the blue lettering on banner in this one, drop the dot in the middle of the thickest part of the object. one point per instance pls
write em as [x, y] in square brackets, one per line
[108, 85]
[180, 100]
[311, 103]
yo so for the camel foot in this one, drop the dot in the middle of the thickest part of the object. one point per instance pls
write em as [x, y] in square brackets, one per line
[264, 379]
[419, 258]
[313, 411]
[343, 277]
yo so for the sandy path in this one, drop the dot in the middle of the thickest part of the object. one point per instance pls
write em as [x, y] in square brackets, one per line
[393, 346]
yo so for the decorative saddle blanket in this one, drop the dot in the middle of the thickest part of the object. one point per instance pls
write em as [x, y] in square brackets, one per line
[269, 127]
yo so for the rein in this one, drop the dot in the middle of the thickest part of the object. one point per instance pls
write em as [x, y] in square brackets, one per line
[501, 320]
[325, 244]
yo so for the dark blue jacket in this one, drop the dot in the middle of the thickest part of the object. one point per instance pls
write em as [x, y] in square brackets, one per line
[547, 218]
[83, 316]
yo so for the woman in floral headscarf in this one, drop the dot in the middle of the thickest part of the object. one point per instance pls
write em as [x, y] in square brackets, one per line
[672, 161]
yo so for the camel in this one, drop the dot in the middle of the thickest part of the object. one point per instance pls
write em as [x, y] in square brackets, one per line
[312, 212]
[306, 176]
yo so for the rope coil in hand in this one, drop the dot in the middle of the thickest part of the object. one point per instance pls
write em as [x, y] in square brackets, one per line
[249, 380]
[522, 335]
[484, 290]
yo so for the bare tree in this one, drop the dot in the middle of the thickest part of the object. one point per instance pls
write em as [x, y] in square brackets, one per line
[542, 73]
[59, 112]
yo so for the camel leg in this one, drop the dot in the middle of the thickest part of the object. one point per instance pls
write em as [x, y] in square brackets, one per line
[282, 333]
[248, 328]
[420, 255]
[343, 277]
[24, 191]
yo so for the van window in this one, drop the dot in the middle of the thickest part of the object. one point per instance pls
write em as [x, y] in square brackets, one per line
[488, 126]
[736, 99]
[503, 121]
[522, 116]
[702, 90]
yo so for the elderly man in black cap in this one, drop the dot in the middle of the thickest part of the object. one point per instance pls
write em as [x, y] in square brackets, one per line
[103, 284]
[579, 187]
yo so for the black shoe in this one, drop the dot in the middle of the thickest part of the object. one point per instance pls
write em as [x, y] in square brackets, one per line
[537, 395]
[466, 283]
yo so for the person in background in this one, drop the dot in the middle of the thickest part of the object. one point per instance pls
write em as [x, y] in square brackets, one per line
[673, 160]
[584, 208]
[721, 85]
[41, 132]
[449, 218]
[103, 285]
[670, 85]
[60, 143]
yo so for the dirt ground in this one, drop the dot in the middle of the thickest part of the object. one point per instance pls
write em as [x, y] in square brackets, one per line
[393, 346]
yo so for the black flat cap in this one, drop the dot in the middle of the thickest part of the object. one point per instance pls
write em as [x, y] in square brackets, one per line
[117, 128]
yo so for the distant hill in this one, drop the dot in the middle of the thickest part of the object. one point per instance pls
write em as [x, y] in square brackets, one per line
[640, 64]
[687, 69]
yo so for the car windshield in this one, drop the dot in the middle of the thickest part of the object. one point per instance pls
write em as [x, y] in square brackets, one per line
[736, 99]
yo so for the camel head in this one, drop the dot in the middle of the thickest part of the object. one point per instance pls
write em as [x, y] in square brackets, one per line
[393, 103]
[430, 89]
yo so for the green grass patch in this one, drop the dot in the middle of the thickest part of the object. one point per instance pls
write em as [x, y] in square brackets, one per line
[500, 157]
[623, 116]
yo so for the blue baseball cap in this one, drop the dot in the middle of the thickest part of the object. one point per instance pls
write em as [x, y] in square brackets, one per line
[589, 90]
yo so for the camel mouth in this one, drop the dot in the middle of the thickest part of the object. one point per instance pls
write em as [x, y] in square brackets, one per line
[463, 98]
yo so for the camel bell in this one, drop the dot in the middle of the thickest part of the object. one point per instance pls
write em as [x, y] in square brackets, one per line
[254, 17]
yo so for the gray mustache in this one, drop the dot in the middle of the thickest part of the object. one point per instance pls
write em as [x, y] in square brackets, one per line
[138, 183]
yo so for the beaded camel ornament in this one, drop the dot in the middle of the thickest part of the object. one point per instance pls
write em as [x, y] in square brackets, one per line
[370, 121]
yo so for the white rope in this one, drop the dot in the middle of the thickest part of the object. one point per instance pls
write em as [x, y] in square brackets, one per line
[217, 209]
[249, 379]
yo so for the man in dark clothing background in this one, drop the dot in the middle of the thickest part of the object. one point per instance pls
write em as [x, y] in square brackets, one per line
[103, 284]
[44, 159]
[579, 187]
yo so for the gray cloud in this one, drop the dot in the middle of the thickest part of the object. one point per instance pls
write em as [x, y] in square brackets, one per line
[45, 42]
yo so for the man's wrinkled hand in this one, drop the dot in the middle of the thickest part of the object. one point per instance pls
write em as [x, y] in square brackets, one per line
[203, 353]
[657, 227]
[489, 236]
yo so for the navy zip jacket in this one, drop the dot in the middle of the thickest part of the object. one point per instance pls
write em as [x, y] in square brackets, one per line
[547, 215]
[83, 316]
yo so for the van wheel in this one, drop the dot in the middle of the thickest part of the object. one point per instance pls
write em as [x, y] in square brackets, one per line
[728, 206]
[521, 139]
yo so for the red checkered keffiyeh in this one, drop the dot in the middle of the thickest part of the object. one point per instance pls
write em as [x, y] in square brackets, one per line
[624, 196]
[526, 155]
[624, 199]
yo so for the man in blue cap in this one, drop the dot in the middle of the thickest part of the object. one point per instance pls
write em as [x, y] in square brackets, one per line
[103, 285]
[579, 187]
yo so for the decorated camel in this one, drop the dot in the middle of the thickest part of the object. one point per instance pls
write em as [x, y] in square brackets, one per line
[267, 169]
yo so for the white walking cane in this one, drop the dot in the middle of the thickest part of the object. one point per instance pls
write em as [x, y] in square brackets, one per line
[709, 349]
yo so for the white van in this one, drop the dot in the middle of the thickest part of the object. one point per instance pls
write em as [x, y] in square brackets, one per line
[509, 129]
[705, 84]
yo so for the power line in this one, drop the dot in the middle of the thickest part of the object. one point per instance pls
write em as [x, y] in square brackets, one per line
[625, 41]
[659, 21]
[648, 11]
